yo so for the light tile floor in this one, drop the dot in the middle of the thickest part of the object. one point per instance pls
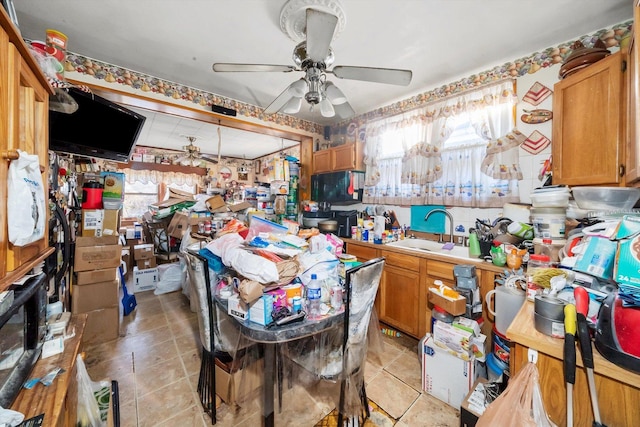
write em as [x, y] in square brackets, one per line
[156, 362]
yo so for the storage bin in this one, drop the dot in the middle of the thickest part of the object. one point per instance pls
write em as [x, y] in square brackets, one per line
[551, 198]
[549, 223]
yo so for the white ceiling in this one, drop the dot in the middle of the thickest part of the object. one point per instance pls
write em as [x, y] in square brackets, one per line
[441, 41]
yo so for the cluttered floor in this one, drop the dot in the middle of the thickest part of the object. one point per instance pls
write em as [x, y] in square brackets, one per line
[156, 362]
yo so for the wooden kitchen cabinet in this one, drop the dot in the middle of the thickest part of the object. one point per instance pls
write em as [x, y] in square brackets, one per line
[633, 105]
[24, 117]
[341, 158]
[401, 298]
[588, 125]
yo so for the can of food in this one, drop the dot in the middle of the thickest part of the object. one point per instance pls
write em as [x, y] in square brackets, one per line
[201, 227]
[336, 298]
[207, 227]
[354, 231]
[296, 304]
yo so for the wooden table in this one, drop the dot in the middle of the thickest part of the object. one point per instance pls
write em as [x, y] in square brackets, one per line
[618, 389]
[58, 401]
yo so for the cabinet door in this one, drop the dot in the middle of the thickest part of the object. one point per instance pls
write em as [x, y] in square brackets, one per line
[633, 107]
[322, 161]
[587, 125]
[343, 157]
[398, 303]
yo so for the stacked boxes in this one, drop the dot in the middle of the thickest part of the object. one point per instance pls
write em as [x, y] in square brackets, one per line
[96, 286]
[145, 272]
[100, 222]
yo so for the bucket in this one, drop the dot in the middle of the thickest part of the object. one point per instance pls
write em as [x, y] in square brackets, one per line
[92, 195]
[500, 346]
[548, 223]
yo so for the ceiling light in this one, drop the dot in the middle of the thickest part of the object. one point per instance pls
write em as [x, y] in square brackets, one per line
[292, 106]
[326, 109]
[334, 94]
[298, 88]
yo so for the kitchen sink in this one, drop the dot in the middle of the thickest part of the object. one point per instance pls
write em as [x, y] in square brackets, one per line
[422, 245]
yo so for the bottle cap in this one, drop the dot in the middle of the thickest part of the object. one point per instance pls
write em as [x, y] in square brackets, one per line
[314, 277]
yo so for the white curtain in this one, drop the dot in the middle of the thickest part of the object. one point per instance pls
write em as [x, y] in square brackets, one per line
[410, 162]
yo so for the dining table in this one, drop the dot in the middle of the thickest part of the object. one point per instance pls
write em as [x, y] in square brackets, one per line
[269, 338]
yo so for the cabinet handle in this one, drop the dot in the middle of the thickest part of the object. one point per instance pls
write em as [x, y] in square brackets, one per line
[622, 170]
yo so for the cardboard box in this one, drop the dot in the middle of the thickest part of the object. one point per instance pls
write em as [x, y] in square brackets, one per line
[143, 264]
[237, 308]
[260, 311]
[144, 280]
[233, 385]
[100, 222]
[102, 325]
[627, 265]
[143, 251]
[239, 206]
[113, 185]
[167, 207]
[216, 204]
[456, 307]
[179, 225]
[454, 340]
[97, 253]
[473, 404]
[445, 376]
[94, 296]
[95, 276]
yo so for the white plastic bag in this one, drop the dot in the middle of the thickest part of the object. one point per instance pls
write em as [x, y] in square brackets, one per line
[93, 398]
[26, 202]
[172, 276]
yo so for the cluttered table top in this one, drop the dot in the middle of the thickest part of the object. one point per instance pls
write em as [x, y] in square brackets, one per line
[522, 331]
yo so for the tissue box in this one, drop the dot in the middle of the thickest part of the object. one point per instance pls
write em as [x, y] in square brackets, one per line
[260, 311]
[237, 308]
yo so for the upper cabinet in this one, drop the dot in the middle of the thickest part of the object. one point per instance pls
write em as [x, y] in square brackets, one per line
[341, 158]
[588, 125]
[24, 116]
[633, 107]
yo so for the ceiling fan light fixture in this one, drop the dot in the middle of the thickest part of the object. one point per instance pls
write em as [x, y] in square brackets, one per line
[326, 109]
[334, 94]
[298, 88]
[292, 106]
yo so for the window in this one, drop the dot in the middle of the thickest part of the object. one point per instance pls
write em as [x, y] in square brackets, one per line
[459, 152]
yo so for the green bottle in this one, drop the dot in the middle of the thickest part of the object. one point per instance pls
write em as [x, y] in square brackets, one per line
[474, 245]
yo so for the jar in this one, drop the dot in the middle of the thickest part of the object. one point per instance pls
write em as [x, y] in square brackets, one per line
[440, 314]
[536, 262]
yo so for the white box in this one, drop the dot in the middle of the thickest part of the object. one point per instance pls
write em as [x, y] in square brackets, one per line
[260, 311]
[145, 280]
[445, 376]
[454, 340]
[237, 308]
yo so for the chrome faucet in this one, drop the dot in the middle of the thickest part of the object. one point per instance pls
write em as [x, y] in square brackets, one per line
[444, 211]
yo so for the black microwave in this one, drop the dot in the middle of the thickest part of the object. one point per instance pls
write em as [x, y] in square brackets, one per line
[22, 334]
[337, 188]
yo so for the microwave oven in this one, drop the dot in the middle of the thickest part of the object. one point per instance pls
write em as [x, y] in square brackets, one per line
[22, 334]
[337, 188]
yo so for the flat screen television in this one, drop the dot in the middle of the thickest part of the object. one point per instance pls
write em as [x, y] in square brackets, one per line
[98, 128]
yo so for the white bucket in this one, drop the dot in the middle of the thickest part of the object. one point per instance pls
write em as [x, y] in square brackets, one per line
[548, 223]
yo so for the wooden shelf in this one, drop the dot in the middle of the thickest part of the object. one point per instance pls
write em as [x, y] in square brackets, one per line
[164, 168]
[12, 276]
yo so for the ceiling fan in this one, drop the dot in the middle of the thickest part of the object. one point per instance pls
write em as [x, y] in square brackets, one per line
[314, 56]
[192, 156]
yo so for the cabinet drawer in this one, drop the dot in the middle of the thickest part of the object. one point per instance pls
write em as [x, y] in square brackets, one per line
[363, 253]
[440, 270]
[402, 261]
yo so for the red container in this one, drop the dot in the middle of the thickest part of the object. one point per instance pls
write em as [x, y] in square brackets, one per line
[92, 195]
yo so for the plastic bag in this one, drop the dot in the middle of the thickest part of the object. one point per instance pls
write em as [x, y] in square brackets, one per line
[172, 276]
[26, 207]
[93, 398]
[520, 405]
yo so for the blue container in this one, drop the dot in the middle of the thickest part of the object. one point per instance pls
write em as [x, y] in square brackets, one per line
[214, 261]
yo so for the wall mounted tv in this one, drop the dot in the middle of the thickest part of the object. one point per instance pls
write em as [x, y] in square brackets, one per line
[98, 128]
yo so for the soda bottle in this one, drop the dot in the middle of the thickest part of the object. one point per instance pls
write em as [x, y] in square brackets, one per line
[314, 295]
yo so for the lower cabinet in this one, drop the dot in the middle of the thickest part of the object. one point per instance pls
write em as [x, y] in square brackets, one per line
[398, 299]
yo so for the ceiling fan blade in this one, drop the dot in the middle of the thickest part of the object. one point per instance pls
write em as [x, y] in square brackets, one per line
[209, 159]
[320, 29]
[370, 74]
[223, 67]
[281, 100]
[344, 110]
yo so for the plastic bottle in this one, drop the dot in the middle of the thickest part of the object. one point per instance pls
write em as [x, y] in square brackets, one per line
[314, 297]
[474, 245]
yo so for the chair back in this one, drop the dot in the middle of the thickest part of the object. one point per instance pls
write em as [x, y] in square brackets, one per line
[361, 286]
[215, 326]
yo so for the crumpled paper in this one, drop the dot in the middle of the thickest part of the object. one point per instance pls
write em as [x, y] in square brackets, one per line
[10, 418]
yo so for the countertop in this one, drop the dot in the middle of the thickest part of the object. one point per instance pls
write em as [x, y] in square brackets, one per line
[522, 331]
[479, 263]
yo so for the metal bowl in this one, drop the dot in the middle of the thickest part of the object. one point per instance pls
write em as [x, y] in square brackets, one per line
[329, 226]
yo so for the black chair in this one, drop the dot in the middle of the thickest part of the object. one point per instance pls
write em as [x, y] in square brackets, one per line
[339, 355]
[161, 241]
